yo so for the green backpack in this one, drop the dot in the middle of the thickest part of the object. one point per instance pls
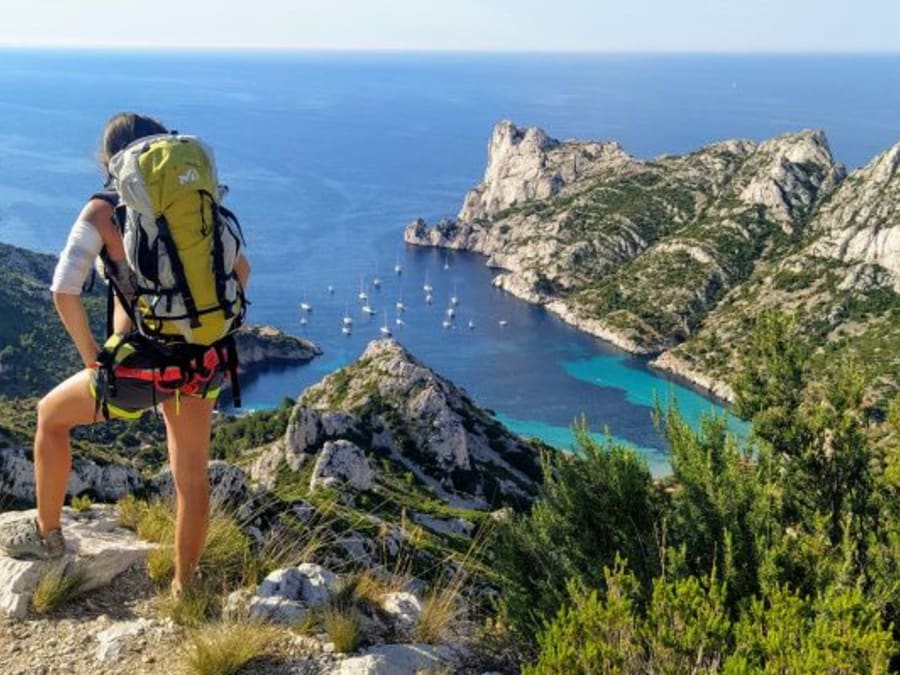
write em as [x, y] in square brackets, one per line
[180, 241]
[181, 245]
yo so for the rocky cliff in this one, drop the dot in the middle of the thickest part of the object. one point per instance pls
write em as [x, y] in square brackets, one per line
[672, 257]
[261, 346]
[388, 409]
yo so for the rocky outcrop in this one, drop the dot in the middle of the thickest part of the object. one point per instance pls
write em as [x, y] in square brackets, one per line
[107, 482]
[284, 596]
[342, 462]
[656, 255]
[861, 222]
[260, 346]
[406, 659]
[395, 408]
[95, 544]
[526, 164]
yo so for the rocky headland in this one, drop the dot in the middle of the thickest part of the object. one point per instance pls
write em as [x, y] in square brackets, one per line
[265, 346]
[673, 257]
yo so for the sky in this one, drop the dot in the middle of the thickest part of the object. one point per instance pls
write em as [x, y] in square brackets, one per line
[461, 25]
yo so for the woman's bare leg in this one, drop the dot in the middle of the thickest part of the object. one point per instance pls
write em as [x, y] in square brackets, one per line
[188, 435]
[69, 404]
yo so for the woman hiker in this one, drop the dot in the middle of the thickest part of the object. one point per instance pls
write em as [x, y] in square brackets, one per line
[187, 411]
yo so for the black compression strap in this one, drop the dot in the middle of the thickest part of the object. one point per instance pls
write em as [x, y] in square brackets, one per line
[219, 259]
[233, 218]
[232, 364]
[165, 236]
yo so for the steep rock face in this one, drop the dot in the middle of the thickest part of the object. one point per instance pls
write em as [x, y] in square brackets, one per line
[393, 407]
[861, 222]
[526, 164]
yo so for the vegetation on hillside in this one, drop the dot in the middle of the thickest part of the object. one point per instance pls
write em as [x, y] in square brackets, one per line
[779, 556]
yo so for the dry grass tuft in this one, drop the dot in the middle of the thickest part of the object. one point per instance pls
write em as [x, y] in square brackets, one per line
[197, 605]
[223, 649]
[343, 627]
[59, 585]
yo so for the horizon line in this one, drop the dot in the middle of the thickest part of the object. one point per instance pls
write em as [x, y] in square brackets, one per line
[73, 46]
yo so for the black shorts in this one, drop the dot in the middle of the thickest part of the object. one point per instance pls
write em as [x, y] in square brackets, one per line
[138, 386]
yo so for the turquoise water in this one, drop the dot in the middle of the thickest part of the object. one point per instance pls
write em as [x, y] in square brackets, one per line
[329, 156]
[644, 388]
[564, 439]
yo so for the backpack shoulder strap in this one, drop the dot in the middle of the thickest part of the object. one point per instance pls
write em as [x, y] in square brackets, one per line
[111, 197]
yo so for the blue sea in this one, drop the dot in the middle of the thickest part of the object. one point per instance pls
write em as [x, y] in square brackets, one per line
[330, 155]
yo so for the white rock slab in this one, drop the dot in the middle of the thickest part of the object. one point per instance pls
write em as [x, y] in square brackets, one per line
[342, 462]
[392, 660]
[113, 639]
[93, 540]
[403, 608]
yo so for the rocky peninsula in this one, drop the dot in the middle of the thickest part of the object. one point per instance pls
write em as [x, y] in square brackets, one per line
[674, 257]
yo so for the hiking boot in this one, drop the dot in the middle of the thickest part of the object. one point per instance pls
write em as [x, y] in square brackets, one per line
[24, 540]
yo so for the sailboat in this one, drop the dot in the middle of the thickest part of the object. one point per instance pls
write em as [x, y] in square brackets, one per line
[447, 262]
[399, 321]
[385, 330]
[368, 309]
[330, 289]
[304, 305]
[454, 299]
[450, 312]
[428, 288]
[471, 324]
[400, 306]
[397, 268]
[363, 296]
[348, 320]
[429, 298]
[376, 280]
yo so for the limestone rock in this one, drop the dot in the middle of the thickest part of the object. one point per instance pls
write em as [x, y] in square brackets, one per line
[94, 541]
[861, 222]
[403, 608]
[342, 462]
[286, 595]
[454, 526]
[113, 640]
[267, 345]
[390, 402]
[405, 659]
[108, 482]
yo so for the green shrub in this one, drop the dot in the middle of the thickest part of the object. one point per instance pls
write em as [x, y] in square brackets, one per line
[840, 632]
[594, 633]
[593, 507]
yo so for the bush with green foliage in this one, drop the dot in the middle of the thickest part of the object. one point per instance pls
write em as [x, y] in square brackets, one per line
[593, 507]
[782, 555]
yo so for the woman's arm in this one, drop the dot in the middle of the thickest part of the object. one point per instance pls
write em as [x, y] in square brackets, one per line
[74, 317]
[94, 230]
[242, 269]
